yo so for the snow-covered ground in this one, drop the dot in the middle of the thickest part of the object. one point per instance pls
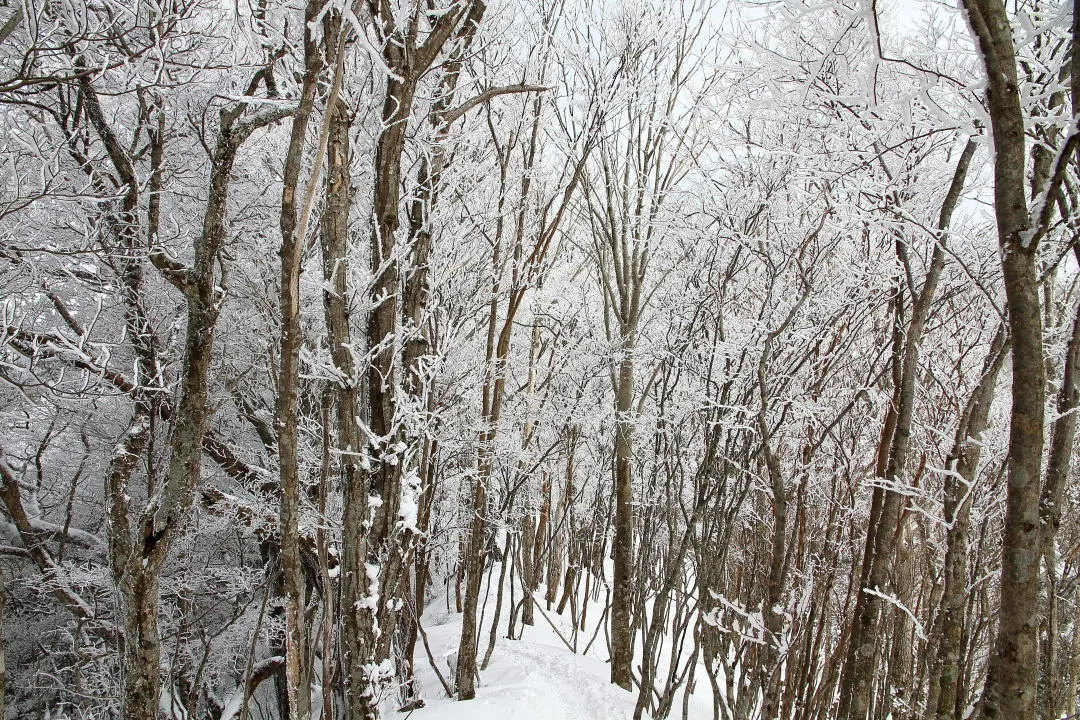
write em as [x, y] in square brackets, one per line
[527, 679]
[536, 677]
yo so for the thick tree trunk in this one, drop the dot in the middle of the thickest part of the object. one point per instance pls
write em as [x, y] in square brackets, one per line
[167, 509]
[142, 646]
[363, 592]
[1013, 668]
[390, 385]
[1013, 671]
[357, 620]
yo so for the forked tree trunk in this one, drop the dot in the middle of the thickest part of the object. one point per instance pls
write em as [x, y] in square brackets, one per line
[376, 560]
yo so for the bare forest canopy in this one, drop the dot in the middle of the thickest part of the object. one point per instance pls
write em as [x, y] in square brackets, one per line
[738, 342]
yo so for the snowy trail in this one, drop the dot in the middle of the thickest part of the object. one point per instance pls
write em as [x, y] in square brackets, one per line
[528, 680]
[535, 677]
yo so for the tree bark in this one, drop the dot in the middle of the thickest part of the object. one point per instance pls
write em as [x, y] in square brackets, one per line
[377, 563]
[1013, 668]
[622, 646]
[285, 420]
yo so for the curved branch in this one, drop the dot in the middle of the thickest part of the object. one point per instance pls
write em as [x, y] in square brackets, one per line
[456, 113]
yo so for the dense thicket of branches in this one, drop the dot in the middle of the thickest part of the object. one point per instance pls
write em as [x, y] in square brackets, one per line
[747, 337]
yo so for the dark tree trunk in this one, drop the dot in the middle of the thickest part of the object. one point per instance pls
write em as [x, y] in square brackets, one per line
[622, 641]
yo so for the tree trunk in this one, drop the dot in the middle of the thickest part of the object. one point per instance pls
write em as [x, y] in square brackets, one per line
[3, 664]
[474, 571]
[390, 385]
[1013, 668]
[528, 582]
[1052, 702]
[622, 643]
[945, 700]
[498, 352]
[356, 630]
[857, 678]
[285, 421]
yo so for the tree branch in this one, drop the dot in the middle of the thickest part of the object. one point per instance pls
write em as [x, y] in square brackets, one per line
[456, 113]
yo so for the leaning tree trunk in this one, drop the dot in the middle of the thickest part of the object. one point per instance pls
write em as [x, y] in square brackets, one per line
[945, 700]
[857, 678]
